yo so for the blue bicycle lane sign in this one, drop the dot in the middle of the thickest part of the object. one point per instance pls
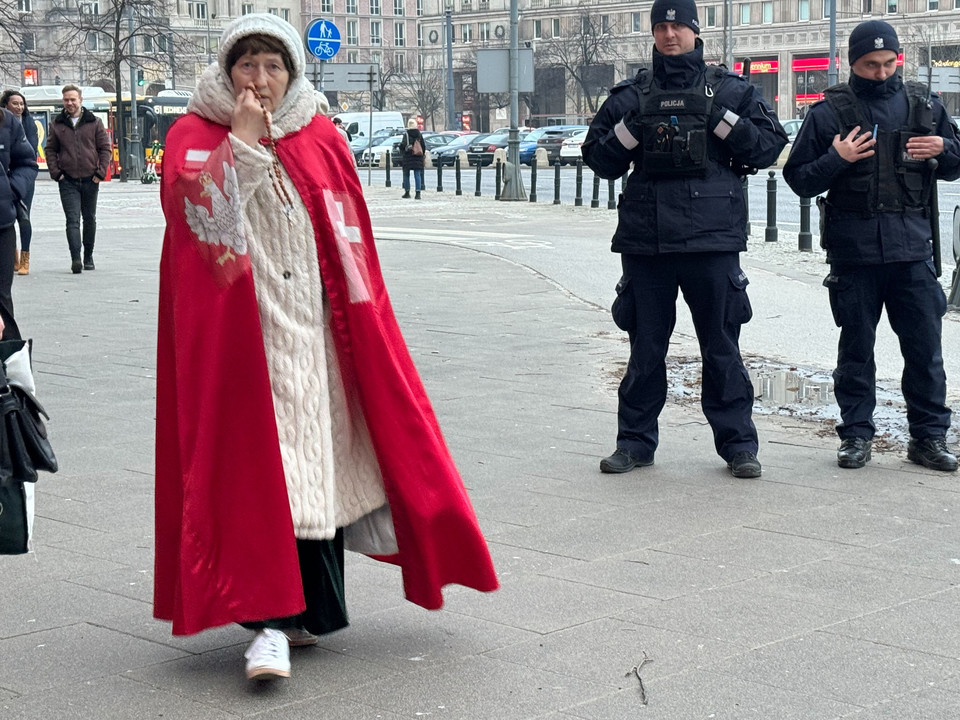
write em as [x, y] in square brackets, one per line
[322, 39]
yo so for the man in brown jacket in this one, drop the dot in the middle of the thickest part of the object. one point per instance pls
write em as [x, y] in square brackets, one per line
[78, 153]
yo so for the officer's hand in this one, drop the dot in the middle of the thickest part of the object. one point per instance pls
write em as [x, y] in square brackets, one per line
[854, 146]
[925, 147]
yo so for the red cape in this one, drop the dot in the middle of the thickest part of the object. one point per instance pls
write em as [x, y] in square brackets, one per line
[225, 546]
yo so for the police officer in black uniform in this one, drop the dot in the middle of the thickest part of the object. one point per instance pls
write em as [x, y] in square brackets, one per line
[875, 145]
[690, 132]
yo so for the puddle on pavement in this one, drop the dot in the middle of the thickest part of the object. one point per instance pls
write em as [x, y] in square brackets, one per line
[774, 387]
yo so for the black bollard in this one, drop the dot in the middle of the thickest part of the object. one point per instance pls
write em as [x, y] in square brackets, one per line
[595, 200]
[805, 238]
[496, 181]
[439, 177]
[556, 183]
[745, 186]
[611, 196]
[578, 198]
[533, 180]
[456, 174]
[770, 232]
[387, 165]
[477, 191]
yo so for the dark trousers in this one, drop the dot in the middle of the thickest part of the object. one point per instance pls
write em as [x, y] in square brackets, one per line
[26, 229]
[79, 199]
[915, 305]
[8, 251]
[321, 570]
[714, 288]
[417, 178]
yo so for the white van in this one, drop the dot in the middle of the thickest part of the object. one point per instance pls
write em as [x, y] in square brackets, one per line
[358, 124]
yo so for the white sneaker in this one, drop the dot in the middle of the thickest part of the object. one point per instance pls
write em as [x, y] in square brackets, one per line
[268, 656]
[298, 637]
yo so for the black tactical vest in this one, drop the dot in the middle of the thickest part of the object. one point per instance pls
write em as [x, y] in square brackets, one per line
[890, 180]
[675, 141]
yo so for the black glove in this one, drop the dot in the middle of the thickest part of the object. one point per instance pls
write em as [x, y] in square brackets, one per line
[722, 121]
[633, 122]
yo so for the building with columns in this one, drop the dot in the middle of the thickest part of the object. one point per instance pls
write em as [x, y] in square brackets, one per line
[580, 48]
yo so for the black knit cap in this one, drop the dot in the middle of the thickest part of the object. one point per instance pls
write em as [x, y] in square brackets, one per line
[872, 35]
[680, 11]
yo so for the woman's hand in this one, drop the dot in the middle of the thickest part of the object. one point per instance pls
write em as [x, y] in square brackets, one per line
[247, 118]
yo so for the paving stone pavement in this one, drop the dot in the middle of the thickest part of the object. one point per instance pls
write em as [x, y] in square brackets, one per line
[812, 593]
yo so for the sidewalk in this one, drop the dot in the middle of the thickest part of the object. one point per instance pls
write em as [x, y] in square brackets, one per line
[812, 593]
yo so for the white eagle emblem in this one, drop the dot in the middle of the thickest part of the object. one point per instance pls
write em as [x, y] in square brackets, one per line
[671, 15]
[878, 43]
[223, 224]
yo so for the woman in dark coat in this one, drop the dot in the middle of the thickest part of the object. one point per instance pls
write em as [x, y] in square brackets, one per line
[18, 171]
[410, 160]
[16, 103]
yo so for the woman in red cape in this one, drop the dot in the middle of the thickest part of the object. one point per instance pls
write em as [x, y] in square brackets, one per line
[291, 421]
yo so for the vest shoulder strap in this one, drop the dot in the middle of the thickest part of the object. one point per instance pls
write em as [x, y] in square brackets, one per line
[845, 105]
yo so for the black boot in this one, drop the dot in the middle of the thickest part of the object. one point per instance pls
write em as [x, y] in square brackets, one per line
[88, 262]
[932, 452]
[76, 266]
[406, 194]
[854, 453]
[622, 461]
[417, 196]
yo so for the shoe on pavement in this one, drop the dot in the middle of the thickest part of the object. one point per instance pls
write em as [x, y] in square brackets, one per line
[932, 453]
[298, 637]
[268, 656]
[88, 263]
[745, 465]
[854, 452]
[76, 267]
[406, 195]
[621, 461]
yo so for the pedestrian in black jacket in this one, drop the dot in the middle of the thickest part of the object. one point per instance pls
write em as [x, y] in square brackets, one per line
[875, 145]
[410, 159]
[689, 131]
[18, 162]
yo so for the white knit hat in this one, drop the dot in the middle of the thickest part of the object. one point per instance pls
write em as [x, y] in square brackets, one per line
[272, 26]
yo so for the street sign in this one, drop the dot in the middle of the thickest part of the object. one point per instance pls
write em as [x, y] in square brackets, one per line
[493, 70]
[322, 39]
[349, 77]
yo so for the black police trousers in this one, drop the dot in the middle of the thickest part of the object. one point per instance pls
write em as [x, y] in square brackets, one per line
[714, 288]
[915, 305]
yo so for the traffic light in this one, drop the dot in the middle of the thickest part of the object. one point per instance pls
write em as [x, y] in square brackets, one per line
[31, 76]
[140, 81]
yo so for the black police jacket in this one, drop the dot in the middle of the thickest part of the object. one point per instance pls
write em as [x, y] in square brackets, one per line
[865, 237]
[684, 214]
[19, 166]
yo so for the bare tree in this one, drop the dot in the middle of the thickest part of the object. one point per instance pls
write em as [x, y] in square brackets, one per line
[585, 53]
[18, 34]
[423, 91]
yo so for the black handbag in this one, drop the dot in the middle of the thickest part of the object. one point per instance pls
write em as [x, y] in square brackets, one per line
[24, 446]
[13, 518]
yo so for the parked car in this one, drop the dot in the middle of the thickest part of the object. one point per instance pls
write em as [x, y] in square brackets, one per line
[371, 155]
[792, 127]
[554, 136]
[359, 144]
[481, 150]
[570, 148]
[528, 148]
[447, 155]
[432, 142]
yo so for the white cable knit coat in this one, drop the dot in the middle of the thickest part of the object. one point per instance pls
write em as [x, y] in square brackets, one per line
[332, 474]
